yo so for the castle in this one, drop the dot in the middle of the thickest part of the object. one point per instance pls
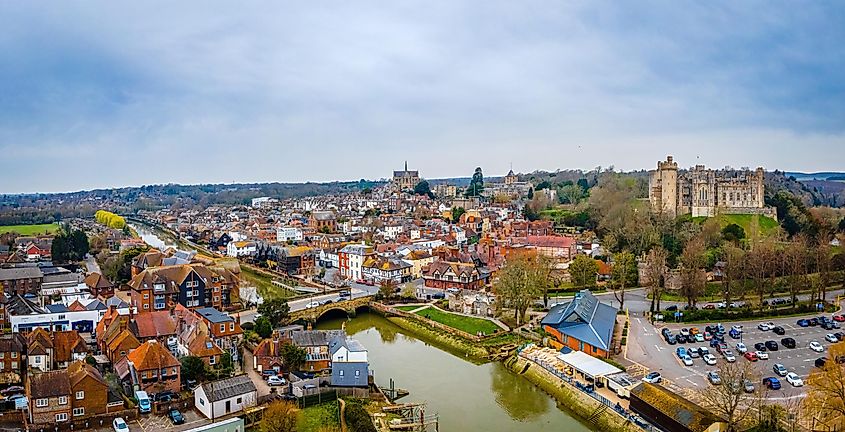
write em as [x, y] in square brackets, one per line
[706, 192]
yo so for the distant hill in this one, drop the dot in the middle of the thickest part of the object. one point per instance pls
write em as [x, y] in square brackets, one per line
[816, 176]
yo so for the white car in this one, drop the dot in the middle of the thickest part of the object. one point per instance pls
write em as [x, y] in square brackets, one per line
[794, 379]
[710, 359]
[762, 355]
[276, 380]
[729, 356]
[831, 338]
[766, 326]
[653, 377]
[815, 346]
[119, 425]
[687, 360]
[741, 348]
[312, 305]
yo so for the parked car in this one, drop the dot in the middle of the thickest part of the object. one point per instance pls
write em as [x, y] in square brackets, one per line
[772, 383]
[831, 338]
[653, 377]
[312, 304]
[119, 425]
[772, 345]
[735, 333]
[741, 348]
[672, 308]
[839, 318]
[794, 379]
[694, 331]
[751, 356]
[681, 351]
[665, 332]
[820, 362]
[176, 416]
[144, 404]
[762, 355]
[817, 347]
[694, 352]
[813, 322]
[729, 356]
[165, 396]
[699, 338]
[803, 323]
[780, 369]
[687, 360]
[671, 339]
[748, 386]
[276, 380]
[710, 359]
[704, 351]
[714, 378]
[839, 336]
[760, 346]
[788, 342]
[778, 330]
[766, 326]
[8, 391]
[707, 336]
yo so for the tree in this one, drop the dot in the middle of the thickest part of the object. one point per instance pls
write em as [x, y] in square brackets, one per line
[280, 416]
[655, 273]
[293, 356]
[583, 271]
[824, 265]
[693, 277]
[733, 233]
[826, 395]
[409, 291]
[456, 214]
[571, 194]
[624, 274]
[193, 368]
[543, 185]
[729, 400]
[423, 188]
[276, 310]
[758, 266]
[531, 194]
[795, 260]
[476, 185]
[520, 281]
[263, 327]
[732, 273]
[387, 288]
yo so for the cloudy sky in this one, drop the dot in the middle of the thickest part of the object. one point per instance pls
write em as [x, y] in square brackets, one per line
[105, 93]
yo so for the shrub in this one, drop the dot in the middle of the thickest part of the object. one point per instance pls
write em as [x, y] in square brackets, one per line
[357, 418]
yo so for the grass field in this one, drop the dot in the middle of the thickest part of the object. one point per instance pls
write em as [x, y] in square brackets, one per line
[761, 225]
[312, 418]
[460, 322]
[265, 287]
[407, 308]
[28, 230]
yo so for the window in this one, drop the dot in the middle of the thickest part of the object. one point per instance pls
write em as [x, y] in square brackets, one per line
[78, 411]
[594, 349]
[239, 400]
[231, 326]
[340, 373]
[14, 365]
[2, 355]
[14, 354]
[146, 305]
[202, 402]
[41, 403]
[61, 417]
[216, 299]
[80, 395]
[61, 317]
[62, 400]
[357, 373]
[211, 360]
[146, 296]
[37, 359]
[174, 371]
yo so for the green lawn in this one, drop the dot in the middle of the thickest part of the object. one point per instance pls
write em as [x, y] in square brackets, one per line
[460, 322]
[265, 287]
[762, 225]
[311, 419]
[28, 230]
[407, 308]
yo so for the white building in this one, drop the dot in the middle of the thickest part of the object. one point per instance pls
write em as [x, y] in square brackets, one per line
[223, 397]
[284, 234]
[240, 248]
[264, 202]
[391, 232]
[350, 350]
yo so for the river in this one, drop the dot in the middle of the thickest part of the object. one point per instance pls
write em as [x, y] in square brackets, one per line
[156, 239]
[467, 396]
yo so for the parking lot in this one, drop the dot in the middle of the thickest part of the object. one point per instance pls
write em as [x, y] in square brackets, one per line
[648, 348]
[156, 422]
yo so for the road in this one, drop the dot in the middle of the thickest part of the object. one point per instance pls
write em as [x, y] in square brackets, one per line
[91, 264]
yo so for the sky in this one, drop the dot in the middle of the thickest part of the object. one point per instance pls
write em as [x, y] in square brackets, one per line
[116, 93]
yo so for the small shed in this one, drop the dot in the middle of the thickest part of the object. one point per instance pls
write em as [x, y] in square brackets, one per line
[671, 412]
[222, 397]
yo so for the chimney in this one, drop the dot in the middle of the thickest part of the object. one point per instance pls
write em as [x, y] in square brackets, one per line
[131, 314]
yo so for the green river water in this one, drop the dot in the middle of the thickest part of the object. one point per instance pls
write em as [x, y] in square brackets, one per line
[466, 396]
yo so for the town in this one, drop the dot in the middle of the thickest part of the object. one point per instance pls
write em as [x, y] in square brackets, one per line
[677, 300]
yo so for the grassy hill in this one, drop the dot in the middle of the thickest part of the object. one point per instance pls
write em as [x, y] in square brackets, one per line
[29, 230]
[762, 225]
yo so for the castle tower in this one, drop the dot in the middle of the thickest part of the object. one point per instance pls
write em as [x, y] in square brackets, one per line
[663, 187]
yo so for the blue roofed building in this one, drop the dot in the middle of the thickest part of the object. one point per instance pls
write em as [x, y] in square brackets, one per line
[583, 324]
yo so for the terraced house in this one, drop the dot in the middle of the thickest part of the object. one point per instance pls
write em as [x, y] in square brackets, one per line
[454, 275]
[380, 269]
[191, 285]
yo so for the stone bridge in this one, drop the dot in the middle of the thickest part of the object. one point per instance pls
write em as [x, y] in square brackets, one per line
[349, 307]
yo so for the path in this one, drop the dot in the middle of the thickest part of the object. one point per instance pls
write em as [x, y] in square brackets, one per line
[342, 415]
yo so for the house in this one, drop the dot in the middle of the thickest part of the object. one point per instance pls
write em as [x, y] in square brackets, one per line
[241, 248]
[268, 355]
[671, 412]
[225, 330]
[156, 368]
[379, 269]
[351, 260]
[323, 221]
[350, 374]
[98, 285]
[582, 324]
[12, 358]
[68, 346]
[418, 259]
[348, 350]
[457, 275]
[286, 234]
[88, 390]
[559, 248]
[40, 350]
[191, 285]
[21, 280]
[49, 397]
[316, 344]
[226, 396]
[472, 302]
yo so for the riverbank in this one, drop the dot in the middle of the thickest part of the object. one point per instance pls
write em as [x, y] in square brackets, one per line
[585, 407]
[453, 344]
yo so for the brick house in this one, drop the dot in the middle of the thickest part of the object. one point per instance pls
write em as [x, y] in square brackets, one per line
[21, 280]
[49, 397]
[158, 370]
[191, 285]
[457, 275]
[68, 346]
[224, 330]
[98, 285]
[12, 358]
[582, 324]
[89, 391]
[268, 355]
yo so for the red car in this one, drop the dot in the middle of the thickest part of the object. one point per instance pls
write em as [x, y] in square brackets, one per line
[839, 318]
[751, 356]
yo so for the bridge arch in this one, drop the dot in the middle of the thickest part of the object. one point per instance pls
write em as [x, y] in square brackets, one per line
[334, 312]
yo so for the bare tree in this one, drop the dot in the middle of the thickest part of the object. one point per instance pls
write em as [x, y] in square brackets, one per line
[655, 272]
[734, 259]
[693, 277]
[795, 258]
[623, 275]
[824, 265]
[826, 395]
[729, 400]
[759, 265]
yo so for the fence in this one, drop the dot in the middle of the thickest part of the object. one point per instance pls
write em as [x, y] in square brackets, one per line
[586, 389]
[96, 421]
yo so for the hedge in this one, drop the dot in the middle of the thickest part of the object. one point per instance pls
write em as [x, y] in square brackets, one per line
[745, 313]
[357, 418]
